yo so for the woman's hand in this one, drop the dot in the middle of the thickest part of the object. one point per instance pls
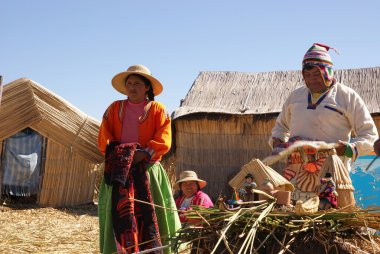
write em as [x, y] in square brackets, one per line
[139, 156]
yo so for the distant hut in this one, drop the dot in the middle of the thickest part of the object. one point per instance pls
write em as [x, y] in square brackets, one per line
[227, 117]
[47, 146]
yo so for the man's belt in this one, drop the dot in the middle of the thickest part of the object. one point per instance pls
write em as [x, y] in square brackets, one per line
[307, 156]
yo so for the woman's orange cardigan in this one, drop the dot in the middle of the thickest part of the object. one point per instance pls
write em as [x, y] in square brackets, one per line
[154, 128]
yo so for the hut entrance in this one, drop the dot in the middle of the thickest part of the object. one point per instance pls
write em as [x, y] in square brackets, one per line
[21, 165]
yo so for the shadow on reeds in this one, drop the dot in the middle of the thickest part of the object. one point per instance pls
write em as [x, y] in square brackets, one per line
[26, 203]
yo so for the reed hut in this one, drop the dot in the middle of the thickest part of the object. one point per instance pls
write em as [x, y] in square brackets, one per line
[48, 148]
[226, 118]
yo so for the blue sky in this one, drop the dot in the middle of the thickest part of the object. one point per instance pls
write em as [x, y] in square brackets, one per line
[74, 48]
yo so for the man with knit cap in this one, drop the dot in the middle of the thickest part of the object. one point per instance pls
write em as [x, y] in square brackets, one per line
[322, 110]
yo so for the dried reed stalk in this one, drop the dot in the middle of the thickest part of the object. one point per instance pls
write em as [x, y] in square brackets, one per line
[31, 229]
[246, 230]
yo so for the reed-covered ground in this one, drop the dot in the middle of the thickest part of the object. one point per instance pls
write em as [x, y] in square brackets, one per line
[27, 228]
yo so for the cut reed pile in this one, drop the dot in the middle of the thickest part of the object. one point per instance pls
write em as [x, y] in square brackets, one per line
[31, 229]
[266, 229]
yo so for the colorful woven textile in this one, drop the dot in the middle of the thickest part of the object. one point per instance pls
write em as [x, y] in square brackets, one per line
[134, 224]
[303, 168]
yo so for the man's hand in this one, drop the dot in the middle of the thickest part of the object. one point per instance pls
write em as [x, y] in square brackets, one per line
[340, 148]
[376, 146]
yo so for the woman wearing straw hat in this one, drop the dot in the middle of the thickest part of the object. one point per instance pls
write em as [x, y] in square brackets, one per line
[134, 134]
[323, 110]
[190, 192]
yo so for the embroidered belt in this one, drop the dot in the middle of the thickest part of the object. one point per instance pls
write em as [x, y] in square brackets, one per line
[309, 157]
[319, 155]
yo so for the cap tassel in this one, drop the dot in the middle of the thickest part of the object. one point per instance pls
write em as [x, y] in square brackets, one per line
[326, 47]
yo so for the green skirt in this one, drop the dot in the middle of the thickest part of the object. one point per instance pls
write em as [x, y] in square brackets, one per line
[168, 220]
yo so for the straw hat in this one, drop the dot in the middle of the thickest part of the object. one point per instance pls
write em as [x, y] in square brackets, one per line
[118, 82]
[189, 176]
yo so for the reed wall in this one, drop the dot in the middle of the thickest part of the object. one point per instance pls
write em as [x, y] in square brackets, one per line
[68, 179]
[217, 147]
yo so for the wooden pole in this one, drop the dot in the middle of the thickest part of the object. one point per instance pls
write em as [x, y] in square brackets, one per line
[1, 88]
[1, 143]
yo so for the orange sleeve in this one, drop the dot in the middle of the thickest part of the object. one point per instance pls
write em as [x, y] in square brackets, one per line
[162, 139]
[106, 128]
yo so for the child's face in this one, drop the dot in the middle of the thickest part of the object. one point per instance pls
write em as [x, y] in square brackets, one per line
[249, 180]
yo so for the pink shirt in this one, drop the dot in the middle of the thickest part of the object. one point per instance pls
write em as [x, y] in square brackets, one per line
[199, 199]
[130, 129]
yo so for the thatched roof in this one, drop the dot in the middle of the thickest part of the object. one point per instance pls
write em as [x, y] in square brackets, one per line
[26, 103]
[266, 92]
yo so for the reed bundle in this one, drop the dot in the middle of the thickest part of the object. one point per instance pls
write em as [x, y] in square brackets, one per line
[265, 227]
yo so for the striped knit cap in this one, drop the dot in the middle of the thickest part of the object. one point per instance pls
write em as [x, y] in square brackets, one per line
[318, 56]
